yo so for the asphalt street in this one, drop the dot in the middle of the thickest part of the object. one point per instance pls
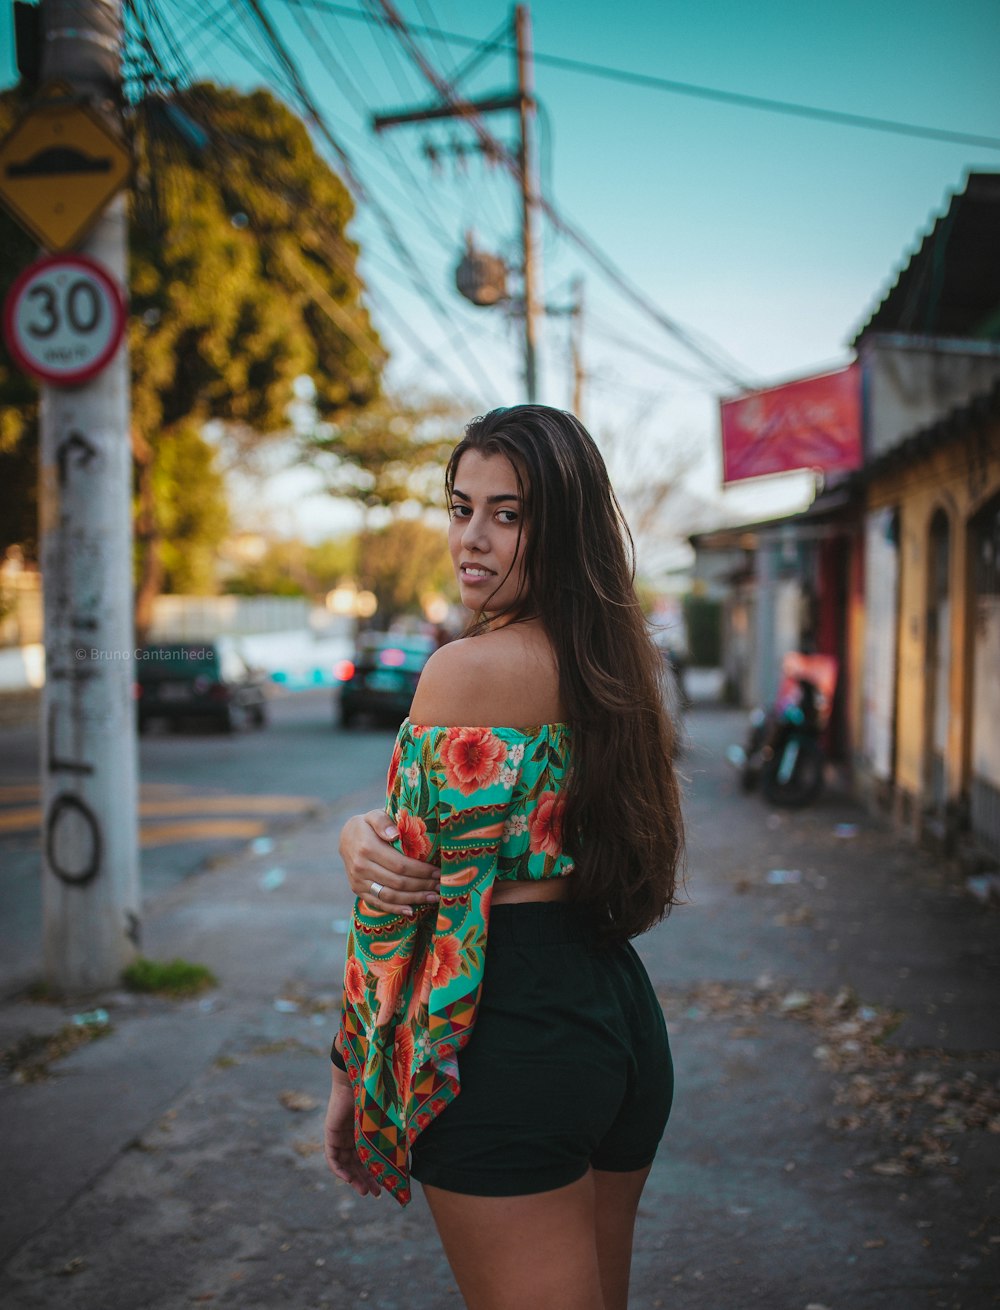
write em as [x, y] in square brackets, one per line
[835, 1143]
[204, 795]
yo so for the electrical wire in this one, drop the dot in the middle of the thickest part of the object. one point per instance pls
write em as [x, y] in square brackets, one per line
[354, 180]
[431, 220]
[711, 355]
[347, 267]
[340, 317]
[416, 198]
[169, 80]
[643, 352]
[444, 53]
[738, 99]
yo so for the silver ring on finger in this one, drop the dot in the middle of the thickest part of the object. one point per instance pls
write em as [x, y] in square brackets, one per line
[377, 889]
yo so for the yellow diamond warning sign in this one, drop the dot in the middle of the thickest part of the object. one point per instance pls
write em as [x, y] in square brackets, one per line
[59, 167]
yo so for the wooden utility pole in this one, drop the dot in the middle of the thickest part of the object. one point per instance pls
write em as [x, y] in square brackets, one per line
[529, 199]
[90, 885]
[523, 101]
[576, 347]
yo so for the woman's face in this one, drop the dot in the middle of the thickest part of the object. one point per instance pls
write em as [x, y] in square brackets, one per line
[487, 532]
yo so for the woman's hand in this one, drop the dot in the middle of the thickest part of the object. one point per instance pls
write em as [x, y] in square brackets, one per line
[338, 1138]
[369, 857]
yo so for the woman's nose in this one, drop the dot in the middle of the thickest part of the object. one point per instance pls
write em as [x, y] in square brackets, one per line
[473, 536]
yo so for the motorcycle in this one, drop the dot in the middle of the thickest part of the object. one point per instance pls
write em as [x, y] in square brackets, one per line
[783, 753]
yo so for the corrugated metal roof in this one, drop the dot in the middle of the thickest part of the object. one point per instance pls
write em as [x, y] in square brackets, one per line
[950, 286]
[833, 511]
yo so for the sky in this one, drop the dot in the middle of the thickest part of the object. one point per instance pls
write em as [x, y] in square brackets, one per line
[769, 237]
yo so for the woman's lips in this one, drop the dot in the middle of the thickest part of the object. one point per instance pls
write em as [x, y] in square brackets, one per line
[474, 573]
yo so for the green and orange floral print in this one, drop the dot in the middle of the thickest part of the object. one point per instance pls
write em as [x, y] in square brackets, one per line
[483, 804]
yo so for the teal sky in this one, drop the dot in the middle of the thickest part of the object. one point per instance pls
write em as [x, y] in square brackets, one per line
[772, 237]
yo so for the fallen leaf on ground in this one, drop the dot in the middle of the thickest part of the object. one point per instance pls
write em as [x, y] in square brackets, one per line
[306, 1147]
[297, 1101]
[891, 1168]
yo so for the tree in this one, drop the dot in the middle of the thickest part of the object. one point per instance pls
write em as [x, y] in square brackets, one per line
[241, 280]
[390, 454]
[407, 561]
[292, 568]
[193, 513]
[18, 396]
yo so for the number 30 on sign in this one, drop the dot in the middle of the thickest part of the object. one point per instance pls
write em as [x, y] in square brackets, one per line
[63, 319]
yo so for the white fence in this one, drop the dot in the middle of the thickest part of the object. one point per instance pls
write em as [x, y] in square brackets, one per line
[190, 618]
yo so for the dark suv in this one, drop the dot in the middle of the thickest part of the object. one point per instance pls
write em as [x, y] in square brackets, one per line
[207, 681]
[381, 678]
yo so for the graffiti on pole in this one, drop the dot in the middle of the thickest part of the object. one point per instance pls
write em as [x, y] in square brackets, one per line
[85, 867]
[72, 831]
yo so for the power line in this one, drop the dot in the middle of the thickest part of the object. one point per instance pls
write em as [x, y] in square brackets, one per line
[338, 256]
[418, 200]
[713, 356]
[738, 99]
[595, 324]
[415, 197]
[351, 174]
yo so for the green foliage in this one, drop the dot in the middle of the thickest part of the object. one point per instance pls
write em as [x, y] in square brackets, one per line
[404, 562]
[241, 276]
[331, 561]
[18, 395]
[190, 496]
[241, 279]
[391, 455]
[292, 568]
[392, 452]
[168, 977]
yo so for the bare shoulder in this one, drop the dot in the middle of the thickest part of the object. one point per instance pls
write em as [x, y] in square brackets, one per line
[505, 678]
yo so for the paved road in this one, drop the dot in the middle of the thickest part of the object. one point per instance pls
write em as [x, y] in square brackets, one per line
[204, 796]
[835, 1142]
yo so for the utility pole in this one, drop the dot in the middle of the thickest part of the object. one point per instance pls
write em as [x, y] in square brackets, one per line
[523, 100]
[90, 883]
[576, 347]
[529, 199]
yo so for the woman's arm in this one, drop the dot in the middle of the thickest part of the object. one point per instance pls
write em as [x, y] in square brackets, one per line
[341, 1152]
[369, 857]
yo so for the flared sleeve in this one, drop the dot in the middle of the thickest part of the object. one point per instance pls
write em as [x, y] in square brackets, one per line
[412, 985]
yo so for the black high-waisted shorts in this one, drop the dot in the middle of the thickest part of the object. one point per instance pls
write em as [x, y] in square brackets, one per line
[568, 1066]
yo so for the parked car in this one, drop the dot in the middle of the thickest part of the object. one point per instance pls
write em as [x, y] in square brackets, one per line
[208, 681]
[381, 678]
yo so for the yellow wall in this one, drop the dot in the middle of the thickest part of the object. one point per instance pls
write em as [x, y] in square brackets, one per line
[958, 478]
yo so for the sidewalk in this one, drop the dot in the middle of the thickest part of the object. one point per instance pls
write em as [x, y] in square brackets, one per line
[835, 1141]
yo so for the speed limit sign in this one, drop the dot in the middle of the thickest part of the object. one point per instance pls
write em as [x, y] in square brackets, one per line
[63, 319]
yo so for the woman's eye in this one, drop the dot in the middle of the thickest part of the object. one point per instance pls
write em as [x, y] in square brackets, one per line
[459, 511]
[507, 516]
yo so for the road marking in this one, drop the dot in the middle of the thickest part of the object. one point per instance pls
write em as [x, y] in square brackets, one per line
[167, 800]
[18, 792]
[230, 805]
[169, 834]
[20, 820]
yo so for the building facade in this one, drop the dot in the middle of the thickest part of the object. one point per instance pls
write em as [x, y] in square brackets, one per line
[929, 723]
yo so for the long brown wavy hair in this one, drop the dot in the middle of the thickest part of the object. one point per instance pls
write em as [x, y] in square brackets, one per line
[622, 823]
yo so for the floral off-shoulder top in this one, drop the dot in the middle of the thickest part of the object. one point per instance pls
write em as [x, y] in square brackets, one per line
[483, 804]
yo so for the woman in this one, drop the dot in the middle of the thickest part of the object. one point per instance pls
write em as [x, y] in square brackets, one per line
[500, 1040]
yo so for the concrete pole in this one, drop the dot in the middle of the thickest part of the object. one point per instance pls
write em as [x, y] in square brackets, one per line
[90, 881]
[767, 672]
[529, 198]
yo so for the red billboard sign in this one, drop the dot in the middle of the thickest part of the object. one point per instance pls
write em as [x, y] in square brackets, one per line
[814, 423]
